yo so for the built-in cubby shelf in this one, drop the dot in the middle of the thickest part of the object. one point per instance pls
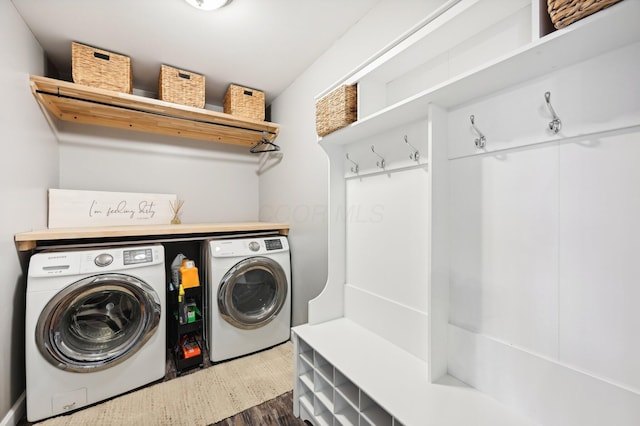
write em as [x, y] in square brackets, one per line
[328, 397]
[347, 375]
[89, 105]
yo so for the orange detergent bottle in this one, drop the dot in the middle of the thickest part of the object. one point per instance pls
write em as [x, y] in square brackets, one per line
[189, 274]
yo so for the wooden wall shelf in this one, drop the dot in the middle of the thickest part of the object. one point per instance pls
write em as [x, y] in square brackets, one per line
[89, 105]
[26, 241]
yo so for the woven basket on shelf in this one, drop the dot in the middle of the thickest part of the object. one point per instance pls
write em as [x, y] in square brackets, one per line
[181, 87]
[100, 68]
[565, 12]
[244, 102]
[337, 109]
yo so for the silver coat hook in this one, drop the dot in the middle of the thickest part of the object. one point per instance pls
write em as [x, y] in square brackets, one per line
[480, 141]
[355, 167]
[415, 155]
[380, 163]
[556, 124]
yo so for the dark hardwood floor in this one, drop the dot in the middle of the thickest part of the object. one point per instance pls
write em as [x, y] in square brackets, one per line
[276, 412]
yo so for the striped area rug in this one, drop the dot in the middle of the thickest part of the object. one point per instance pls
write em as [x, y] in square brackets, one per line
[196, 399]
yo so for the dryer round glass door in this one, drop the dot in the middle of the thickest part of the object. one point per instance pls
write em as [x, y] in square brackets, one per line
[252, 293]
[97, 322]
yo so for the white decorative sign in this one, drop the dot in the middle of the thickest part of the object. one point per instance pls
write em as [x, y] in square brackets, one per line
[72, 209]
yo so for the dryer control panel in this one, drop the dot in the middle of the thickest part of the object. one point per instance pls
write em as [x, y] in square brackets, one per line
[65, 263]
[132, 257]
[275, 244]
[248, 246]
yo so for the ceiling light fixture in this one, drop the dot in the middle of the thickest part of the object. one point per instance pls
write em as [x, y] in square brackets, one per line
[208, 4]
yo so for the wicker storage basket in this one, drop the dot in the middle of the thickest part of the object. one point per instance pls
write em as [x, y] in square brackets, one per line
[244, 102]
[336, 110]
[100, 68]
[565, 12]
[181, 87]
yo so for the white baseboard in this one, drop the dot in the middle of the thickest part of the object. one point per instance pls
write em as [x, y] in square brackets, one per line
[16, 413]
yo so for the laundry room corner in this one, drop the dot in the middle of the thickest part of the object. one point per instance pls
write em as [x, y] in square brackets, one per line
[362, 212]
[25, 173]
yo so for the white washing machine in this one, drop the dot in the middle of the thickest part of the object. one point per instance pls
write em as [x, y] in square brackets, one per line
[95, 326]
[248, 293]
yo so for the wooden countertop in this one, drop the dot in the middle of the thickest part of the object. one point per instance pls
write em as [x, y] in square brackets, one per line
[29, 240]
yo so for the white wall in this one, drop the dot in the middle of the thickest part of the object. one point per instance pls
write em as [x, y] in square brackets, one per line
[296, 190]
[387, 237]
[545, 302]
[28, 167]
[218, 182]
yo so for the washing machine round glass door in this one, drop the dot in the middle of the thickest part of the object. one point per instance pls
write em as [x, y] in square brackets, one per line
[252, 293]
[97, 322]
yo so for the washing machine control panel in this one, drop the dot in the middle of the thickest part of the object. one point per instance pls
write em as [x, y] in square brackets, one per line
[103, 259]
[254, 246]
[273, 244]
[132, 257]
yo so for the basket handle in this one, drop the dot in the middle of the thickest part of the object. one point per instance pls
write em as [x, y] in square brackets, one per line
[100, 56]
[182, 75]
[248, 92]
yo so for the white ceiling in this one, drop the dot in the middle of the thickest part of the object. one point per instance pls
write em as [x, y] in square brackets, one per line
[263, 44]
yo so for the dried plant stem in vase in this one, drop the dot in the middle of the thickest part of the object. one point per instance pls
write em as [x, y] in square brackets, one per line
[176, 206]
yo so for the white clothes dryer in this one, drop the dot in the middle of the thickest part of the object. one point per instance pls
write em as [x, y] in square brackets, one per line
[248, 285]
[95, 326]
